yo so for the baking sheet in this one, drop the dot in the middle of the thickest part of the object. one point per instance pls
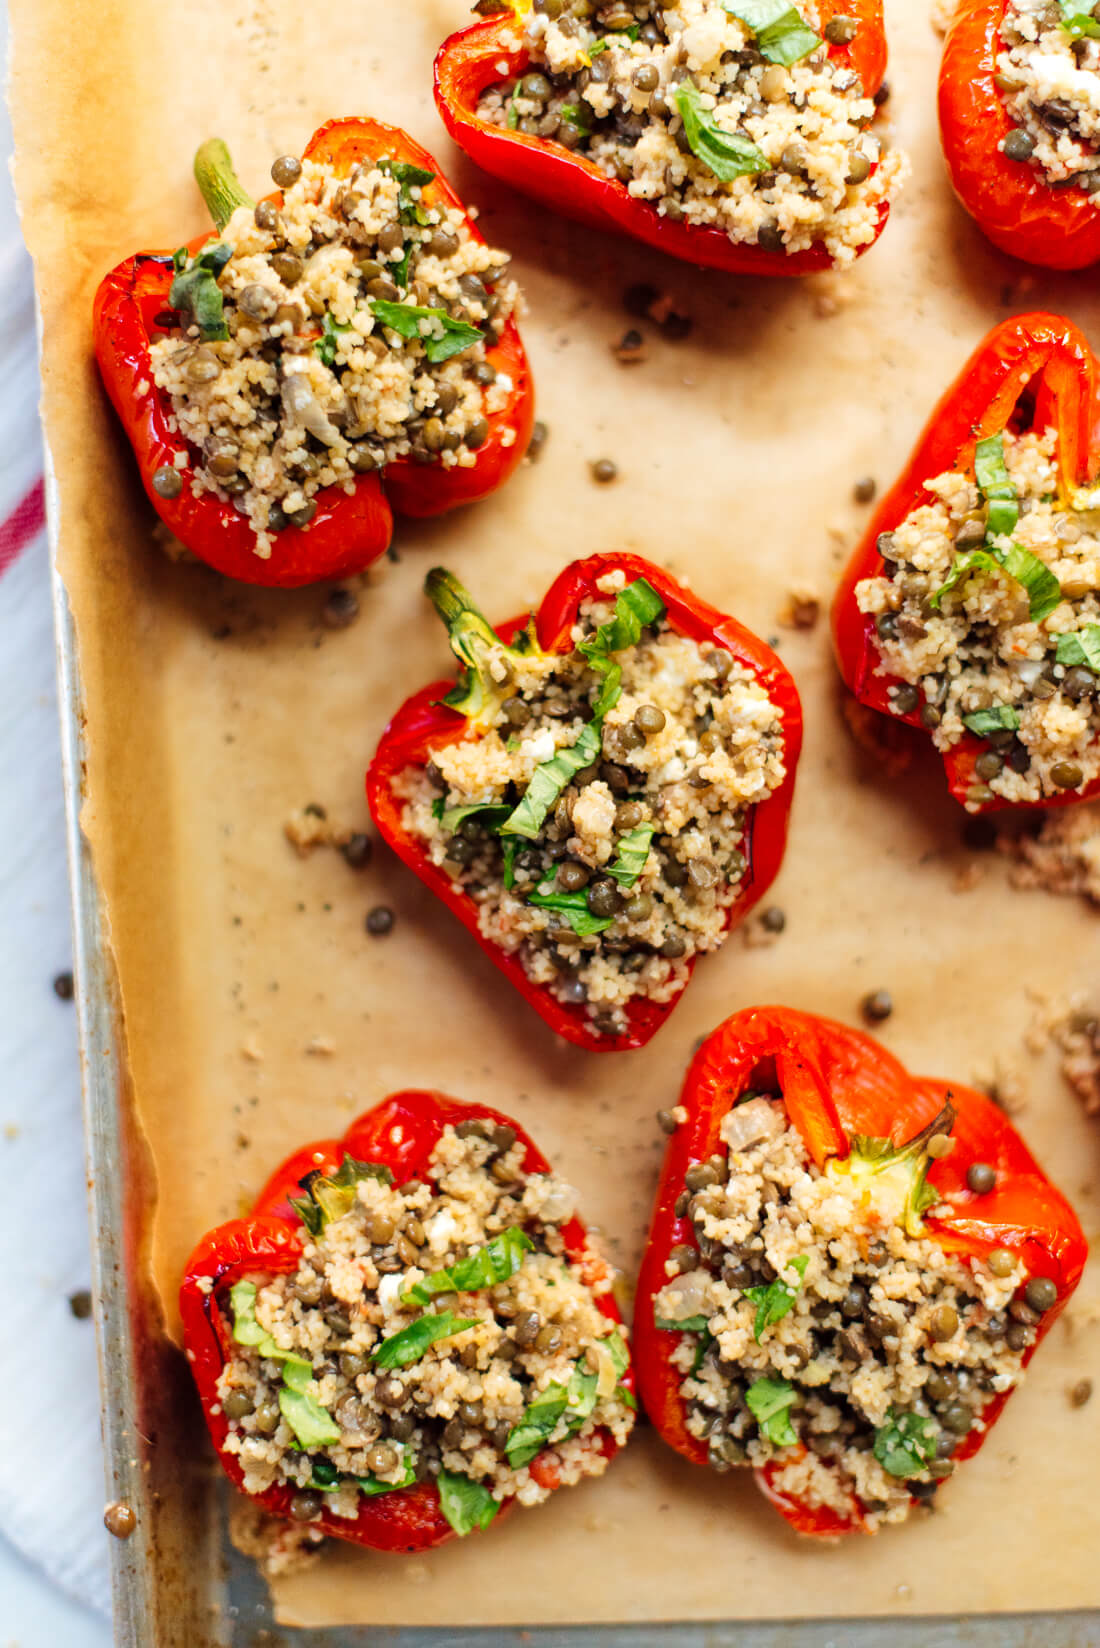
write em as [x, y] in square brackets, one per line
[257, 1011]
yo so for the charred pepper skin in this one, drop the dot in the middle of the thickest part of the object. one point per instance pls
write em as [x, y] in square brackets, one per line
[1051, 357]
[349, 531]
[575, 187]
[423, 725]
[837, 1083]
[1010, 200]
[401, 1133]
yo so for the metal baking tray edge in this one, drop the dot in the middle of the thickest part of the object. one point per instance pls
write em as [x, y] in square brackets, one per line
[177, 1582]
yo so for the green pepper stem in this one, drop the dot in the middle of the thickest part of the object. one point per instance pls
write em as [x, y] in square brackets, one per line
[873, 1156]
[478, 694]
[218, 183]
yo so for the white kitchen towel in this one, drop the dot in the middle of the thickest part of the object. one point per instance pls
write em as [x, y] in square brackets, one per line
[51, 1472]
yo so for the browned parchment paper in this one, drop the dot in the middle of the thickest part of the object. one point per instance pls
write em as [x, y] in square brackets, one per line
[259, 1014]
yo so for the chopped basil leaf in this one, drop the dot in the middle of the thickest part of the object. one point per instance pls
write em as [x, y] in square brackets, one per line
[774, 1301]
[548, 781]
[1078, 19]
[248, 1331]
[780, 33]
[1081, 647]
[706, 1339]
[609, 40]
[574, 907]
[491, 813]
[466, 1505]
[627, 1396]
[906, 1443]
[1001, 718]
[510, 846]
[770, 1403]
[727, 154]
[410, 1344]
[405, 319]
[495, 1262]
[409, 209]
[332, 1195]
[311, 1423]
[1043, 589]
[540, 1419]
[635, 606]
[195, 288]
[513, 112]
[616, 1349]
[991, 474]
[577, 116]
[330, 333]
[689, 1324]
[406, 173]
[325, 1475]
[370, 1487]
[629, 862]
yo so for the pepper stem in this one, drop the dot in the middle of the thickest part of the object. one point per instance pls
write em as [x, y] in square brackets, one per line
[218, 183]
[478, 694]
[905, 1164]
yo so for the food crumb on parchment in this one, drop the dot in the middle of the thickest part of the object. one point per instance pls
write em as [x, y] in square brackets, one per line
[803, 608]
[277, 1547]
[1071, 1025]
[1064, 857]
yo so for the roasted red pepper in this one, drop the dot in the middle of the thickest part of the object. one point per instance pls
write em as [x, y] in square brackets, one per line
[1010, 200]
[401, 1134]
[424, 724]
[843, 1092]
[348, 531]
[1034, 371]
[491, 51]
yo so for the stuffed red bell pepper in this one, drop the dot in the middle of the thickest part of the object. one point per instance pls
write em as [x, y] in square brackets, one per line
[1019, 104]
[972, 606]
[409, 1332]
[738, 139]
[848, 1270]
[603, 794]
[340, 350]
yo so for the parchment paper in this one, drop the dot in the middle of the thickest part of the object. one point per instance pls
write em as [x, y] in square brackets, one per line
[259, 1013]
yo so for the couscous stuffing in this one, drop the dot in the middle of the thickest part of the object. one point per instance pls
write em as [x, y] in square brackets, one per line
[758, 133]
[823, 1338]
[320, 340]
[597, 809]
[987, 616]
[1048, 74]
[436, 1331]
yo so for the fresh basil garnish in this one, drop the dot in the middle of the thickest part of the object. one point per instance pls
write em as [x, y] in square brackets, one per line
[906, 1443]
[400, 1349]
[688, 1324]
[608, 40]
[332, 1195]
[548, 781]
[629, 861]
[495, 1262]
[311, 1423]
[991, 473]
[542, 1416]
[466, 1505]
[510, 847]
[195, 289]
[577, 116]
[371, 1485]
[1082, 646]
[1079, 19]
[330, 335]
[405, 319]
[1001, 718]
[727, 154]
[1043, 589]
[635, 606]
[770, 1403]
[248, 1331]
[775, 1301]
[574, 907]
[491, 814]
[781, 34]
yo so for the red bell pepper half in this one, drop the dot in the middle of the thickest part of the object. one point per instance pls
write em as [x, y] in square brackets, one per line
[400, 1133]
[842, 1092]
[568, 183]
[424, 724]
[348, 531]
[1010, 200]
[1033, 371]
